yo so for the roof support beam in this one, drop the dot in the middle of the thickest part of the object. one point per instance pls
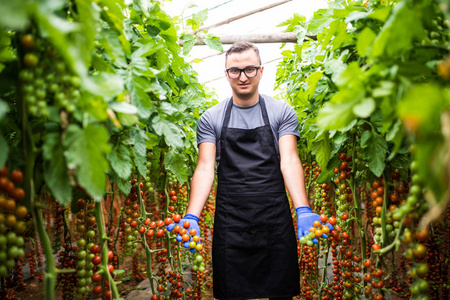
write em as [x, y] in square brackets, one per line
[229, 20]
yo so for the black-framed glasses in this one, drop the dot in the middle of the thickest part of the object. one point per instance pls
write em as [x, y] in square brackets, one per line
[249, 71]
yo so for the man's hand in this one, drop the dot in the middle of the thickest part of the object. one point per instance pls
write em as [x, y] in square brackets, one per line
[305, 220]
[190, 223]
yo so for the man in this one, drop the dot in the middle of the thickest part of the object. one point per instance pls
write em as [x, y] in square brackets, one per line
[254, 140]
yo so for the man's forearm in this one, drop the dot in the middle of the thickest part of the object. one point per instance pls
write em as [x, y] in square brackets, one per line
[294, 180]
[201, 184]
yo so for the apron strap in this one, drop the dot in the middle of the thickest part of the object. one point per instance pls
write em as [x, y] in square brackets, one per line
[226, 121]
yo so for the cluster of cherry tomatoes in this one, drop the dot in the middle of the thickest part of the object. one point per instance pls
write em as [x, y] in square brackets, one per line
[320, 230]
[190, 239]
[12, 226]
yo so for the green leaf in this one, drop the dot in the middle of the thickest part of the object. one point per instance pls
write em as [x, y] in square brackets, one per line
[374, 148]
[151, 141]
[365, 41]
[4, 150]
[169, 130]
[4, 109]
[109, 40]
[188, 43]
[293, 22]
[123, 184]
[356, 15]
[120, 161]
[385, 88]
[401, 29]
[104, 84]
[213, 42]
[422, 106]
[15, 13]
[123, 107]
[197, 19]
[139, 138]
[55, 169]
[381, 13]
[365, 108]
[395, 135]
[88, 15]
[137, 87]
[325, 176]
[86, 150]
[337, 115]
[321, 149]
[139, 161]
[321, 19]
[177, 164]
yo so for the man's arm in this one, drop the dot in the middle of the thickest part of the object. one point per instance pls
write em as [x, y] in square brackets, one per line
[203, 178]
[292, 170]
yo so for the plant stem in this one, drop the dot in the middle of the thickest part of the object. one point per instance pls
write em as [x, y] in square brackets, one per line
[357, 203]
[148, 252]
[98, 211]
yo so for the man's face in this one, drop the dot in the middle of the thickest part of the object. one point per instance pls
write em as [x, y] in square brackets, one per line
[244, 87]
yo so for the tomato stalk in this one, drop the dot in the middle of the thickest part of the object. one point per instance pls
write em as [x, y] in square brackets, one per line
[98, 212]
[148, 251]
[30, 152]
[357, 203]
[325, 267]
[395, 243]
[383, 211]
[50, 274]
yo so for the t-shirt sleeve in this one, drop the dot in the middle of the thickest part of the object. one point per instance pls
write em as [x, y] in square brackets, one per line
[289, 122]
[205, 129]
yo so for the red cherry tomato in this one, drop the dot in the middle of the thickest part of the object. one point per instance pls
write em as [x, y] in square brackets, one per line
[96, 277]
[95, 249]
[96, 260]
[186, 224]
[332, 220]
[176, 218]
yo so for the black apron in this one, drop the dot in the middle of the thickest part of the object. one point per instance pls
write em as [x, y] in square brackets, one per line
[254, 243]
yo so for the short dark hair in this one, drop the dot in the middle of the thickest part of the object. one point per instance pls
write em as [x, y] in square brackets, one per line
[241, 47]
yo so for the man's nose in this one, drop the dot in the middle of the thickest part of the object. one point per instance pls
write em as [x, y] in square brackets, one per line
[242, 76]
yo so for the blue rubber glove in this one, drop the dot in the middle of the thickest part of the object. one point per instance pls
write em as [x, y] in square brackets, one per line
[305, 220]
[193, 220]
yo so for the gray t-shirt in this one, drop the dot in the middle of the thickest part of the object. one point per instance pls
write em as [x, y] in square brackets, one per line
[282, 118]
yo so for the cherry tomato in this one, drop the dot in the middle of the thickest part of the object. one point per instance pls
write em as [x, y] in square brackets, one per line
[332, 220]
[96, 278]
[97, 289]
[110, 269]
[95, 249]
[159, 233]
[344, 216]
[186, 224]
[176, 218]
[96, 260]
[16, 176]
[377, 273]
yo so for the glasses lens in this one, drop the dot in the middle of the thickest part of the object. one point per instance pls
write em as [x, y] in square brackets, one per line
[234, 72]
[250, 71]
